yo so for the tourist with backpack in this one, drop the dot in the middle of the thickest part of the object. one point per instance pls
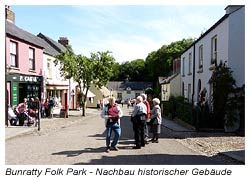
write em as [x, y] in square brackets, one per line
[112, 114]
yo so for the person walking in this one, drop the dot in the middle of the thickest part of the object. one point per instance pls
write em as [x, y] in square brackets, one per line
[157, 119]
[139, 119]
[112, 114]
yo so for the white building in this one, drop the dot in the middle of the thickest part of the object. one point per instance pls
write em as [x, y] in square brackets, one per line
[54, 84]
[224, 41]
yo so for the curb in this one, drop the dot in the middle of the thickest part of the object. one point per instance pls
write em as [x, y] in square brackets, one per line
[235, 155]
[22, 133]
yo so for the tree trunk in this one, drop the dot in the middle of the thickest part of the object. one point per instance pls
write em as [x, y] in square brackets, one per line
[85, 102]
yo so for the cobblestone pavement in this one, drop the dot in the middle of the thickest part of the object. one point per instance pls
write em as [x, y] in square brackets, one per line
[81, 140]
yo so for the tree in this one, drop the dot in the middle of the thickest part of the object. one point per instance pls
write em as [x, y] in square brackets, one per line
[223, 85]
[159, 63]
[97, 69]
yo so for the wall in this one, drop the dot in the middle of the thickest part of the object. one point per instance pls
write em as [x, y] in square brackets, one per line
[23, 58]
[236, 51]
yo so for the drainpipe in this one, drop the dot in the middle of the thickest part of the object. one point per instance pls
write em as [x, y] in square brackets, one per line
[193, 74]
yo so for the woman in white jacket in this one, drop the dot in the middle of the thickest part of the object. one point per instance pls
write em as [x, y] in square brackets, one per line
[156, 117]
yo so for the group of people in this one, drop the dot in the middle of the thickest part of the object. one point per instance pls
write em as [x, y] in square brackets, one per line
[26, 109]
[143, 119]
[31, 107]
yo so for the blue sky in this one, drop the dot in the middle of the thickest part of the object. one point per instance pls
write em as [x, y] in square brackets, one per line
[128, 31]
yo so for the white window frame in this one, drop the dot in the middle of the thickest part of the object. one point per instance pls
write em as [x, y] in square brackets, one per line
[31, 58]
[189, 63]
[13, 54]
[201, 57]
[183, 66]
[214, 49]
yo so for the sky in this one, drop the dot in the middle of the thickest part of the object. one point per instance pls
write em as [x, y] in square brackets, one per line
[129, 31]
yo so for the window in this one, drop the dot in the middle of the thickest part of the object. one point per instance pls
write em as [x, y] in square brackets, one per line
[214, 50]
[183, 66]
[13, 54]
[31, 59]
[49, 68]
[201, 57]
[190, 63]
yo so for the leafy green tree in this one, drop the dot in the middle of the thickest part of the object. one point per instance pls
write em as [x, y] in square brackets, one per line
[159, 63]
[97, 69]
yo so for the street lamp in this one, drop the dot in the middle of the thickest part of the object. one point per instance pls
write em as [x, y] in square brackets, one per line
[73, 95]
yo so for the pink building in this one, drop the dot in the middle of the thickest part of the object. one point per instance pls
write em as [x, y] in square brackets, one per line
[24, 64]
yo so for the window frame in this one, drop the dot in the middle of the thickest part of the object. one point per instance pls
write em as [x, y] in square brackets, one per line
[214, 49]
[14, 54]
[32, 59]
[201, 56]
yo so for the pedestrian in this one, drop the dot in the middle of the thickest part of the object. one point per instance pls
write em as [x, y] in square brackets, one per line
[146, 133]
[46, 107]
[51, 106]
[21, 109]
[129, 103]
[138, 119]
[156, 120]
[122, 102]
[112, 114]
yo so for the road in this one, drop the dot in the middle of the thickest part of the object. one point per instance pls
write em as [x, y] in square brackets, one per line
[81, 141]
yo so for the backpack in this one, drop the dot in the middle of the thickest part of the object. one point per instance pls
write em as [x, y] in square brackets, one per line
[113, 111]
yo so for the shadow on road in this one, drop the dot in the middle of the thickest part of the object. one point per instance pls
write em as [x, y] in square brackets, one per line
[154, 159]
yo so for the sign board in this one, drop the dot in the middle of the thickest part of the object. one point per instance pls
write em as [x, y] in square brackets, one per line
[165, 92]
[14, 94]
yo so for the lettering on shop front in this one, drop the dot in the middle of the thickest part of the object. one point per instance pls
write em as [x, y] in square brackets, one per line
[28, 78]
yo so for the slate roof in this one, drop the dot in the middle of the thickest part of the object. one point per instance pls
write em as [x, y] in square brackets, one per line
[13, 31]
[123, 85]
[51, 47]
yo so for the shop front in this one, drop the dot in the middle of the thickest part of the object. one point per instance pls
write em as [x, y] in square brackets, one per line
[20, 86]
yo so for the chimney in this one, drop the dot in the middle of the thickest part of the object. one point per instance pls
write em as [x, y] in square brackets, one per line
[9, 14]
[231, 8]
[64, 41]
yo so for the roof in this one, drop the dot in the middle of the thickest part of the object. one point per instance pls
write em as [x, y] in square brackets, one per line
[123, 85]
[51, 47]
[13, 31]
[167, 80]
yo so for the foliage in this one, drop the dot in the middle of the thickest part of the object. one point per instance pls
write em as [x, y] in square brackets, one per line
[97, 69]
[177, 107]
[223, 85]
[157, 63]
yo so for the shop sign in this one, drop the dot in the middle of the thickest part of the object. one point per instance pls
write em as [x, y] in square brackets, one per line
[29, 78]
[14, 94]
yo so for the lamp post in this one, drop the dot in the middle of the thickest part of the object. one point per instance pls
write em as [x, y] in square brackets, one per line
[73, 98]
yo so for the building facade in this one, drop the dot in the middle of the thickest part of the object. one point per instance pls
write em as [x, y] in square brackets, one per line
[55, 86]
[223, 42]
[24, 65]
[124, 90]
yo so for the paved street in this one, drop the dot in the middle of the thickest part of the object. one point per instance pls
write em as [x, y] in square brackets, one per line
[81, 140]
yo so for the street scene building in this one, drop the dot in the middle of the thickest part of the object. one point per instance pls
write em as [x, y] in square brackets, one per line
[75, 115]
[223, 42]
[24, 64]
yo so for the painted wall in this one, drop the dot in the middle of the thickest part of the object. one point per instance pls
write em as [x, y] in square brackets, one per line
[236, 49]
[221, 32]
[23, 57]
